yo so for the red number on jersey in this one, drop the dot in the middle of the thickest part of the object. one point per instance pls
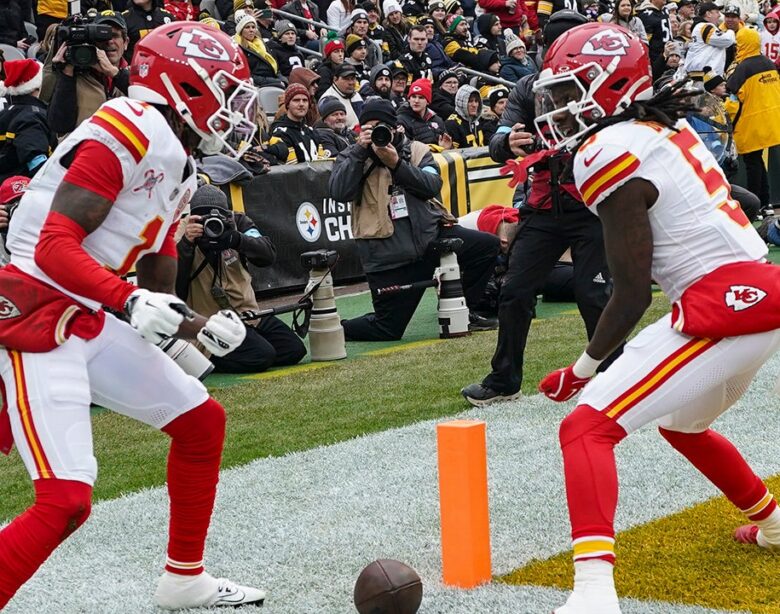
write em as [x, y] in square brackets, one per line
[148, 236]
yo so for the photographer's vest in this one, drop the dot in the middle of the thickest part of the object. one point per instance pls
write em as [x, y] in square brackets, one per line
[371, 217]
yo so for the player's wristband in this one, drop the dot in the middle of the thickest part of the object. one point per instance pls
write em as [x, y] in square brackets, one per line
[585, 367]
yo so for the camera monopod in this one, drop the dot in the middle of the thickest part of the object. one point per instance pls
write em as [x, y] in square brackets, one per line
[453, 313]
[317, 307]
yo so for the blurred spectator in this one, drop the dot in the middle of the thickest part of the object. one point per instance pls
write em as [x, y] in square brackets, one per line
[396, 30]
[457, 45]
[623, 15]
[732, 20]
[339, 12]
[48, 12]
[419, 122]
[306, 32]
[770, 36]
[292, 139]
[465, 125]
[265, 24]
[546, 8]
[233, 7]
[284, 49]
[657, 27]
[12, 30]
[28, 141]
[400, 77]
[334, 57]
[345, 89]
[413, 9]
[308, 79]
[49, 40]
[416, 60]
[333, 136]
[356, 51]
[716, 85]
[378, 84]
[685, 34]
[493, 109]
[769, 230]
[359, 26]
[491, 36]
[213, 274]
[262, 64]
[181, 10]
[511, 13]
[517, 63]
[686, 10]
[708, 47]
[443, 98]
[375, 30]
[11, 191]
[78, 93]
[143, 16]
[453, 7]
[749, 11]
[437, 10]
[756, 88]
[439, 60]
[670, 61]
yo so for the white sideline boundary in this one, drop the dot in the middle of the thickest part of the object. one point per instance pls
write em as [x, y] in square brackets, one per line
[302, 526]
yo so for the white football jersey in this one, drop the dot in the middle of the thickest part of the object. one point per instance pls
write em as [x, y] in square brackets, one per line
[159, 179]
[770, 44]
[697, 226]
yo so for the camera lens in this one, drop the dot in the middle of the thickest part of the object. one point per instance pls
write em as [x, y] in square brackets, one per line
[82, 56]
[381, 135]
[213, 227]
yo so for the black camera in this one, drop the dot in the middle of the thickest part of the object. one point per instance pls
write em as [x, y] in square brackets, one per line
[214, 224]
[381, 135]
[321, 259]
[81, 37]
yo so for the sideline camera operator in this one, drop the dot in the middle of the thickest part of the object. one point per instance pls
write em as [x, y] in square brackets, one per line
[392, 182]
[88, 68]
[214, 248]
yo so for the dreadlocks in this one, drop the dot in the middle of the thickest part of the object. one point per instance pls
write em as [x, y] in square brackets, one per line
[671, 103]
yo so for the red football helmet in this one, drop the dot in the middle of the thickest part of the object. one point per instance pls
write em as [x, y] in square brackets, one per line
[202, 74]
[592, 71]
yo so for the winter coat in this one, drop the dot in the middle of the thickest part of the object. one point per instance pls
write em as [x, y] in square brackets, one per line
[140, 23]
[295, 8]
[353, 105]
[634, 24]
[287, 57]
[442, 103]
[419, 65]
[499, 9]
[325, 70]
[11, 23]
[657, 27]
[440, 61]
[292, 142]
[513, 70]
[462, 51]
[466, 131]
[385, 244]
[262, 64]
[395, 42]
[486, 40]
[28, 139]
[330, 142]
[425, 129]
[756, 83]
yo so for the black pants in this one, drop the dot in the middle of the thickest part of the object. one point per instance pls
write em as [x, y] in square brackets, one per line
[271, 343]
[392, 312]
[748, 202]
[539, 244]
[757, 181]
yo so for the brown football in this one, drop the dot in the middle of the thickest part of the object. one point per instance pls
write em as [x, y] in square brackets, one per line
[388, 587]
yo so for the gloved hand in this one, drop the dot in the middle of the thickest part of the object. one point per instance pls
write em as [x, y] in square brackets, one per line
[155, 315]
[223, 332]
[561, 385]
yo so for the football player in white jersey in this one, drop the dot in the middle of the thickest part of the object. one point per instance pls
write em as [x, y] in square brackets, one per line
[667, 216]
[108, 200]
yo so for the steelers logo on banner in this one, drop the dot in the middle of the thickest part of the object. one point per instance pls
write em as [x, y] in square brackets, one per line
[308, 222]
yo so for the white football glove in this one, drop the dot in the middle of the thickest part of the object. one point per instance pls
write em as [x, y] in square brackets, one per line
[223, 332]
[155, 315]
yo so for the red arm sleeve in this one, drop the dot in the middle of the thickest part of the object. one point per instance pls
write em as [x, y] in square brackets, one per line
[59, 253]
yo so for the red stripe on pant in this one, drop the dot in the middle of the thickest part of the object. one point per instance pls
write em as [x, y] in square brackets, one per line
[193, 472]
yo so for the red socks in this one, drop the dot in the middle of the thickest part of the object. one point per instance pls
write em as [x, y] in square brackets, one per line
[588, 439]
[723, 465]
[61, 506]
[193, 473]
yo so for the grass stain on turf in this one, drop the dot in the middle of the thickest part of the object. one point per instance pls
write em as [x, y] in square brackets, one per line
[689, 557]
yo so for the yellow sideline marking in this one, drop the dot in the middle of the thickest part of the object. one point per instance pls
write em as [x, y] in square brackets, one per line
[688, 557]
[405, 346]
[289, 370]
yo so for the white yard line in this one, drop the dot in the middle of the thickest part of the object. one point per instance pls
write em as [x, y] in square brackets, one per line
[304, 525]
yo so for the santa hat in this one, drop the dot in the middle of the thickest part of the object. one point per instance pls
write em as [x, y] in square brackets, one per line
[421, 87]
[22, 77]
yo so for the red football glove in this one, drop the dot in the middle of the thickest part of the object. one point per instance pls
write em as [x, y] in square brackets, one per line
[561, 385]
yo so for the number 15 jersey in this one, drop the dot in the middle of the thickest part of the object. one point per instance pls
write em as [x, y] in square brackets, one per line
[697, 227]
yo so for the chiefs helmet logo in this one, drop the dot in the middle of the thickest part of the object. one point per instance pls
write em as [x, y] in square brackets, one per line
[607, 42]
[743, 297]
[8, 309]
[200, 44]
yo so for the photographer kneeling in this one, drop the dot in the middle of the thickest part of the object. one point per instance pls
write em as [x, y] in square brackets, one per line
[392, 182]
[214, 247]
[87, 74]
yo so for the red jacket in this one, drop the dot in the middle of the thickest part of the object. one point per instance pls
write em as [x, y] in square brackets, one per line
[499, 8]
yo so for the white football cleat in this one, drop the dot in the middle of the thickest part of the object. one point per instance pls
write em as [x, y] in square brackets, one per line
[594, 590]
[177, 592]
